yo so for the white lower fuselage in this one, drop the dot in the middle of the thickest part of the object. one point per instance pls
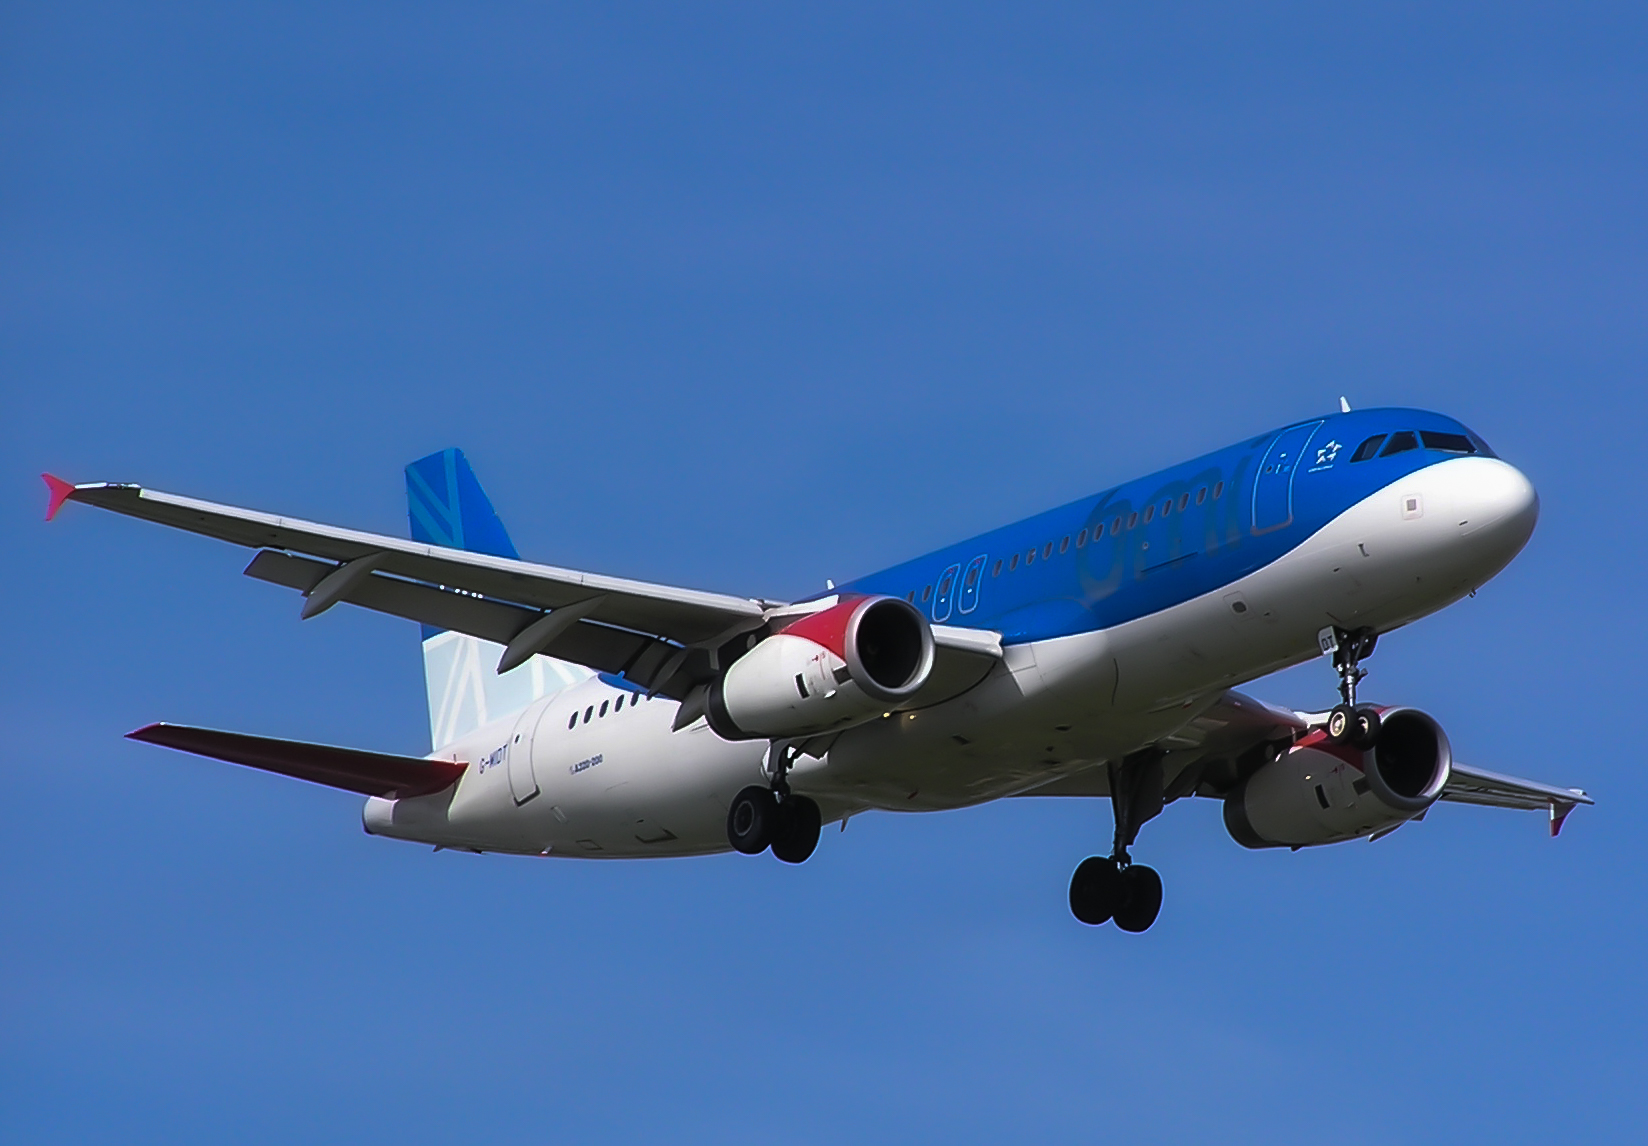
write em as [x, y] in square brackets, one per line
[548, 782]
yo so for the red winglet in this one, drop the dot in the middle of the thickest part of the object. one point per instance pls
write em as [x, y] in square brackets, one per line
[1559, 813]
[60, 491]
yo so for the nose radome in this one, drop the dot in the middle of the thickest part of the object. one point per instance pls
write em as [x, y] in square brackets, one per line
[1495, 496]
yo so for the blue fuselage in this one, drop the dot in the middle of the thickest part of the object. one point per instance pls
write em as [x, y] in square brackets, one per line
[1172, 536]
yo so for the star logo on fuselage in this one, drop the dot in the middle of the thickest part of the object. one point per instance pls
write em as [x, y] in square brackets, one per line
[1325, 455]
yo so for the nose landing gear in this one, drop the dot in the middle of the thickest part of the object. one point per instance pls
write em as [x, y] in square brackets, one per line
[1348, 722]
[1114, 887]
[775, 817]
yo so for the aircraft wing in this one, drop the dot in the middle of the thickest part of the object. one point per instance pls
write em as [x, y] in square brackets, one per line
[1467, 785]
[660, 636]
[1225, 742]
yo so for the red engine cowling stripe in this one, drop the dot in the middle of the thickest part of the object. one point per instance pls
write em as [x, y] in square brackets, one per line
[828, 627]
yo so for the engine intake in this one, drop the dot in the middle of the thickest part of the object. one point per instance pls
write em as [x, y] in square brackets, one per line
[1321, 793]
[826, 671]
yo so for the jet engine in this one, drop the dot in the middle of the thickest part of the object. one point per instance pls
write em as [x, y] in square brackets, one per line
[1318, 792]
[825, 671]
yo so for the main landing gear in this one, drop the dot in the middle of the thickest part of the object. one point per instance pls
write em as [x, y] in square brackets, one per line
[774, 817]
[1348, 722]
[1113, 886]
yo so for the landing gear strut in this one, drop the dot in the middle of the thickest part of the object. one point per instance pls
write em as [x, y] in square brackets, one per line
[1348, 723]
[1114, 887]
[774, 817]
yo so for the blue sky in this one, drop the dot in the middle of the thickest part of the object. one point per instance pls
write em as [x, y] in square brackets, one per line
[744, 298]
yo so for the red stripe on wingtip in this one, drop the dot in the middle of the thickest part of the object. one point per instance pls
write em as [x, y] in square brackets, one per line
[60, 491]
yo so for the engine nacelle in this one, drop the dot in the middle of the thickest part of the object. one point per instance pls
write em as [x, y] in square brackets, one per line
[1318, 792]
[828, 670]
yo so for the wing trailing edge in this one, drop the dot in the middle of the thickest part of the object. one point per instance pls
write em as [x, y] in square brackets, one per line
[368, 773]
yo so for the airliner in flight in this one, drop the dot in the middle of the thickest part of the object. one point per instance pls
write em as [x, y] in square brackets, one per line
[1090, 651]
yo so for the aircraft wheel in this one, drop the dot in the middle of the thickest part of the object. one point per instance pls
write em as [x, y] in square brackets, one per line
[1140, 898]
[796, 833]
[751, 820]
[1341, 723]
[1093, 890]
[1364, 732]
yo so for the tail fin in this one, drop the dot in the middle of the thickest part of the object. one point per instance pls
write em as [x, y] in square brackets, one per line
[446, 506]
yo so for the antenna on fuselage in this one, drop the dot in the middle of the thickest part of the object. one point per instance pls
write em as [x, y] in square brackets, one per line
[1344, 405]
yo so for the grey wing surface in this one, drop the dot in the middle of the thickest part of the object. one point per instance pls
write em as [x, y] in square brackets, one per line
[1467, 785]
[660, 636]
[1235, 736]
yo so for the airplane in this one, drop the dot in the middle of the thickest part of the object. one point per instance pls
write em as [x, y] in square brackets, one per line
[1090, 651]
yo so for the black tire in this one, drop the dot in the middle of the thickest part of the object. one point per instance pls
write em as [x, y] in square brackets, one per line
[1140, 899]
[1365, 729]
[796, 833]
[1341, 723]
[751, 820]
[1093, 890]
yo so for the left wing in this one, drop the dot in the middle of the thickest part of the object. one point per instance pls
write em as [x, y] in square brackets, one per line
[1467, 785]
[664, 638]
[1227, 742]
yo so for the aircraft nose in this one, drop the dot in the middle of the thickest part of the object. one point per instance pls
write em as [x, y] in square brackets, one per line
[1497, 502]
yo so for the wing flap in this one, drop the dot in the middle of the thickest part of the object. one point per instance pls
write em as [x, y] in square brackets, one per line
[368, 773]
[637, 656]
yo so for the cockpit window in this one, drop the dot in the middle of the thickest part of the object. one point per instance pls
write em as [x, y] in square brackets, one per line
[1447, 443]
[1400, 442]
[1367, 449]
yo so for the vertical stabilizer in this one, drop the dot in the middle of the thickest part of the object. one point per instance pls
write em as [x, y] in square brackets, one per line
[446, 506]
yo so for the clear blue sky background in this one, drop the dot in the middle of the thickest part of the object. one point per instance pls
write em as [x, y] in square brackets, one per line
[744, 298]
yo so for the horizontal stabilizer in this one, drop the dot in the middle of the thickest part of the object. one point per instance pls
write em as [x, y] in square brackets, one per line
[369, 773]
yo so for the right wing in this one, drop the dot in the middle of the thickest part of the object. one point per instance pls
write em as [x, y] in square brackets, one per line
[663, 638]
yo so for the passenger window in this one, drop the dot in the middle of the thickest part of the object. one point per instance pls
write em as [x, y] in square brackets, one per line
[1013, 564]
[1081, 539]
[1132, 520]
[1400, 443]
[1167, 507]
[1218, 489]
[603, 708]
[1201, 495]
[1149, 512]
[1030, 557]
[926, 594]
[589, 713]
[573, 723]
[1184, 500]
[1064, 546]
[996, 572]
[1447, 443]
[1047, 551]
[910, 596]
[1367, 449]
[1115, 526]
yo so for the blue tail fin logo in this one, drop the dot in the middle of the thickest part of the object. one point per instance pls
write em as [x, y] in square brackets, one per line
[446, 506]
